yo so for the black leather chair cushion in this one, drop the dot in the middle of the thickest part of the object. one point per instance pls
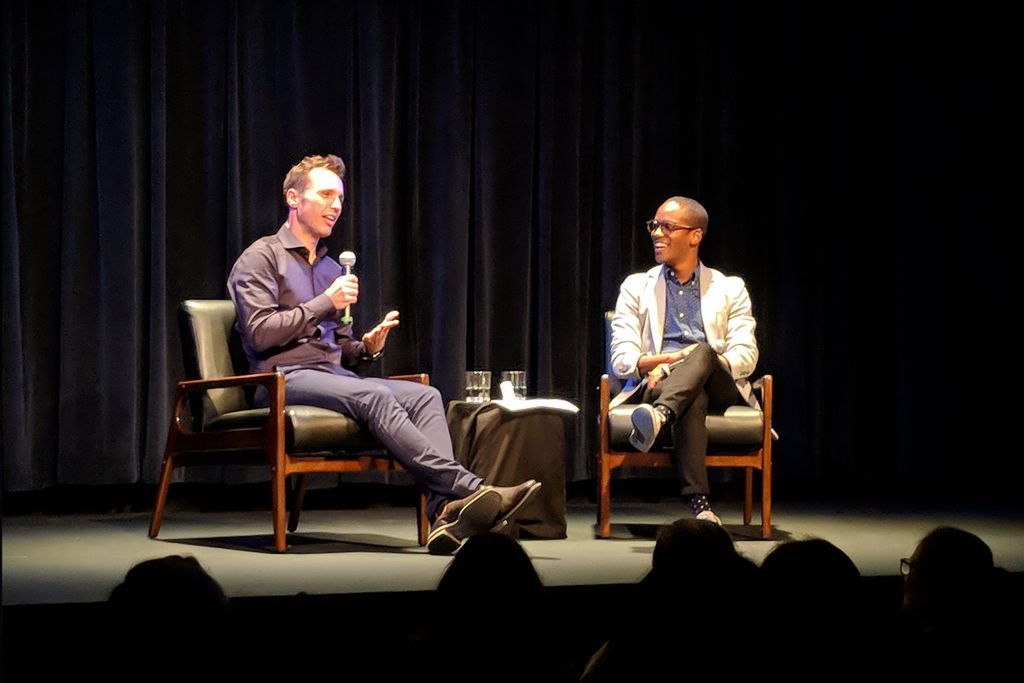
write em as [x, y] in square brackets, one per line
[308, 429]
[739, 426]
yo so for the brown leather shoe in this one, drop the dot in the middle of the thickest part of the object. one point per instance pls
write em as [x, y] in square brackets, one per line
[463, 518]
[512, 499]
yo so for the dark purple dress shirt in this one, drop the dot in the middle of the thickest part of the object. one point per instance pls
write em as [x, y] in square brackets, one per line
[285, 319]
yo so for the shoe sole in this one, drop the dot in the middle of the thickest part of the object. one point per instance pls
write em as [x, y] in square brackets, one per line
[643, 423]
[507, 517]
[442, 542]
[475, 517]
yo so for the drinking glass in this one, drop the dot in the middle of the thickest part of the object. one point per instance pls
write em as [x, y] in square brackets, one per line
[478, 386]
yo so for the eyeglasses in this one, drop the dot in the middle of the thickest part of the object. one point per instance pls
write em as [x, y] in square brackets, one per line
[666, 228]
[905, 566]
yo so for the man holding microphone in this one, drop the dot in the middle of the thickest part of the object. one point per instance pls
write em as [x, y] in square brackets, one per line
[289, 297]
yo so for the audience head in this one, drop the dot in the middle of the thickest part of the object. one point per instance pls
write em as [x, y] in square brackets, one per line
[167, 600]
[173, 585]
[490, 566]
[810, 567]
[492, 583]
[947, 577]
[812, 590]
[692, 547]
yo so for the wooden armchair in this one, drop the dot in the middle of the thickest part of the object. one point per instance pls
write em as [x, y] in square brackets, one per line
[225, 430]
[742, 437]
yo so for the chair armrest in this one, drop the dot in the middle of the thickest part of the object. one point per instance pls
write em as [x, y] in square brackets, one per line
[273, 381]
[602, 416]
[767, 386]
[267, 379]
[422, 378]
[764, 384]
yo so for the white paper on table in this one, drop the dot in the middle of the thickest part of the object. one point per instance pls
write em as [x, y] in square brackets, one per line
[508, 392]
[520, 404]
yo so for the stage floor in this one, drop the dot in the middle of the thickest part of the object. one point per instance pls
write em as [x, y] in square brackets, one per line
[80, 558]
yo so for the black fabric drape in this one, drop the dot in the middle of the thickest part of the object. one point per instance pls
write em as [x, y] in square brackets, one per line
[503, 156]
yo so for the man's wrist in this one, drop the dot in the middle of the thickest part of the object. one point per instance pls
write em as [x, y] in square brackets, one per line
[371, 357]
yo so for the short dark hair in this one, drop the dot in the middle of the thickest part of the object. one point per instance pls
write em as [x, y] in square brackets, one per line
[695, 209]
[298, 175]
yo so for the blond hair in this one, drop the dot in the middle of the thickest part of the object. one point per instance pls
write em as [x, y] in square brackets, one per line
[298, 175]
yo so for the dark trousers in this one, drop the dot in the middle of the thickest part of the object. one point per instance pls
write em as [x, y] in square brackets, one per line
[406, 417]
[696, 386]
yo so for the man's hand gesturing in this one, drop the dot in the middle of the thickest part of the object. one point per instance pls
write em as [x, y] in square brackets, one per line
[374, 339]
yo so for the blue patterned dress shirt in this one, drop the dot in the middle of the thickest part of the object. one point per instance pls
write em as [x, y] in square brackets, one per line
[683, 322]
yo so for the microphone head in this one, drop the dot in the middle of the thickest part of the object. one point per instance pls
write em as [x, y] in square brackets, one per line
[347, 258]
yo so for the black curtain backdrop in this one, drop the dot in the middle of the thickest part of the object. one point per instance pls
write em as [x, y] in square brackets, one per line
[856, 161]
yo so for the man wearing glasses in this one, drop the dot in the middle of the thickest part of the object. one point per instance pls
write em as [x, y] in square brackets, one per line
[290, 297]
[687, 331]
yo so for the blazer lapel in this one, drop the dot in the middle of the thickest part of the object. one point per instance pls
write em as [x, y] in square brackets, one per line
[655, 295]
[710, 308]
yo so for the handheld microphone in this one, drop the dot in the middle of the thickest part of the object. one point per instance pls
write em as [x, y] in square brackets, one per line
[347, 259]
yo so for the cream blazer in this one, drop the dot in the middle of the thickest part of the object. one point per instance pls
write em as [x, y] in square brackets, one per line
[639, 324]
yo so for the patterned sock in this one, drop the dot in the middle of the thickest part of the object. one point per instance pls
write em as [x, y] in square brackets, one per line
[668, 414]
[699, 503]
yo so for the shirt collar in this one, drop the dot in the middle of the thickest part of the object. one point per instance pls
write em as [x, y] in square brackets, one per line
[670, 276]
[290, 241]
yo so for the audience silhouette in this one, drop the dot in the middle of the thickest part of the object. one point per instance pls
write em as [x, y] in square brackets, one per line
[960, 613]
[171, 618]
[689, 617]
[698, 591]
[497, 623]
[813, 607]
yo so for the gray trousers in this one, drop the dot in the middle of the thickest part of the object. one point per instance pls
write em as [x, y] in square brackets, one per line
[406, 417]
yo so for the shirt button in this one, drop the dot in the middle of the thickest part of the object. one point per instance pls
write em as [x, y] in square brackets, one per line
[680, 292]
[682, 315]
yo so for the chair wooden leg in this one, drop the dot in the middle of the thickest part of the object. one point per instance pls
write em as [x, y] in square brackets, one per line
[748, 494]
[161, 495]
[278, 507]
[300, 494]
[604, 499]
[422, 523]
[766, 501]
